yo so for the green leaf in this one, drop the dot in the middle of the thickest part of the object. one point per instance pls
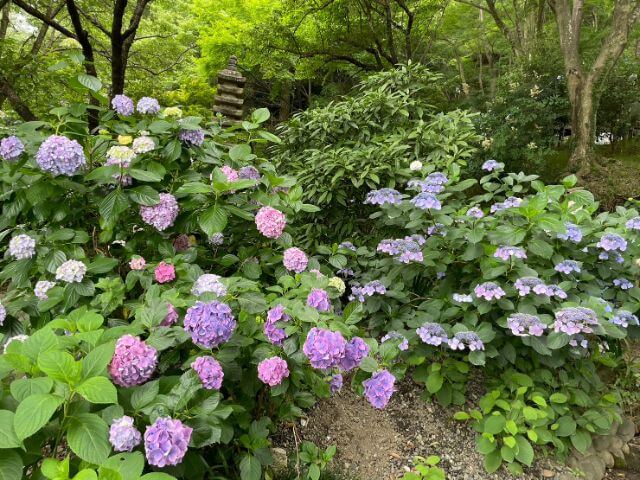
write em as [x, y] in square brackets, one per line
[34, 412]
[88, 437]
[581, 440]
[260, 115]
[250, 468]
[525, 451]
[144, 195]
[493, 461]
[8, 437]
[145, 175]
[240, 153]
[566, 426]
[213, 220]
[98, 390]
[557, 340]
[89, 81]
[10, 465]
[60, 366]
[434, 382]
[157, 476]
[559, 398]
[113, 205]
[25, 387]
[494, 424]
[145, 394]
[129, 465]
[369, 364]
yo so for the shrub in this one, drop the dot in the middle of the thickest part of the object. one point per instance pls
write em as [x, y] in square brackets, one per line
[369, 140]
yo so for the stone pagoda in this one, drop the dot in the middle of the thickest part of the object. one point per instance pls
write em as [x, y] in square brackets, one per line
[230, 97]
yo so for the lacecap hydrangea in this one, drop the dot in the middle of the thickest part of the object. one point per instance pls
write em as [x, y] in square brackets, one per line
[133, 361]
[123, 435]
[162, 215]
[60, 155]
[210, 324]
[209, 371]
[166, 442]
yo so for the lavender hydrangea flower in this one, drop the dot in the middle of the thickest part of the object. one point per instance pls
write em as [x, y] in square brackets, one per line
[491, 165]
[348, 246]
[295, 260]
[573, 233]
[275, 334]
[462, 340]
[166, 442]
[324, 349]
[579, 341]
[404, 343]
[209, 371]
[633, 224]
[574, 320]
[403, 250]
[249, 173]
[133, 362]
[623, 283]
[555, 291]
[425, 186]
[611, 242]
[426, 201]
[475, 212]
[148, 106]
[379, 388]
[210, 324]
[437, 178]
[462, 298]
[272, 371]
[41, 289]
[319, 299]
[510, 202]
[11, 148]
[123, 105]
[568, 266]
[524, 325]
[432, 334]
[525, 285]
[507, 252]
[437, 229]
[615, 256]
[216, 239]
[354, 352]
[335, 384]
[384, 196]
[71, 271]
[22, 247]
[489, 291]
[192, 137]
[123, 435]
[369, 289]
[624, 318]
[3, 314]
[59, 155]
[209, 283]
[162, 215]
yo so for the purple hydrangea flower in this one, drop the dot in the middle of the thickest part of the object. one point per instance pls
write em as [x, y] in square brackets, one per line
[633, 224]
[426, 201]
[123, 105]
[249, 173]
[556, 291]
[354, 352]
[475, 212]
[568, 266]
[41, 289]
[216, 239]
[335, 384]
[384, 196]
[166, 442]
[295, 260]
[348, 246]
[489, 291]
[148, 106]
[437, 229]
[615, 256]
[324, 349]
[611, 242]
[379, 388]
[623, 283]
[573, 233]
[462, 340]
[367, 290]
[525, 285]
[523, 325]
[22, 247]
[491, 165]
[404, 343]
[59, 155]
[3, 315]
[462, 298]
[574, 320]
[123, 435]
[171, 318]
[506, 252]
[210, 324]
[133, 362]
[209, 283]
[209, 371]
[437, 178]
[275, 334]
[272, 371]
[425, 186]
[162, 215]
[403, 250]
[432, 334]
[11, 148]
[192, 137]
[624, 318]
[319, 299]
[510, 202]
[579, 341]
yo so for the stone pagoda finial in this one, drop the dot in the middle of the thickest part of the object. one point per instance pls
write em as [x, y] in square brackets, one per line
[230, 97]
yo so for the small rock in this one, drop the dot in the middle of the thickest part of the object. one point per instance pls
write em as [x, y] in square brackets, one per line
[627, 429]
[607, 457]
[548, 473]
[280, 460]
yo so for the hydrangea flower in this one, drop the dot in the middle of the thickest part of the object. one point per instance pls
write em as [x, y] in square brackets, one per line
[209, 371]
[475, 212]
[624, 318]
[148, 106]
[270, 222]
[272, 371]
[633, 224]
[383, 196]
[462, 298]
[437, 178]
[510, 202]
[182, 243]
[319, 299]
[275, 334]
[295, 260]
[425, 186]
[335, 384]
[163, 214]
[404, 343]
[426, 201]
[579, 341]
[192, 137]
[525, 285]
[573, 233]
[354, 352]
[555, 291]
[415, 165]
[324, 349]
[71, 271]
[491, 165]
[11, 148]
[379, 388]
[165, 272]
[123, 105]
[123, 435]
[3, 314]
[432, 334]
[348, 246]
[171, 318]
[59, 155]
[166, 442]
[216, 239]
[367, 290]
[523, 325]
[615, 256]
[22, 247]
[574, 320]
[120, 155]
[209, 283]
[210, 324]
[137, 263]
[623, 283]
[489, 291]
[143, 144]
[437, 229]
[405, 250]
[568, 266]
[611, 242]
[506, 252]
[133, 362]
[249, 173]
[230, 173]
[338, 284]
[462, 340]
[41, 289]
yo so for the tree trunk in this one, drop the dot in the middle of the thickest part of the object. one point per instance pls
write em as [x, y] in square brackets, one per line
[285, 101]
[582, 128]
[21, 108]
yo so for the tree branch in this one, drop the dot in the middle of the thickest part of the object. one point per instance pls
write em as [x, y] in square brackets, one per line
[43, 18]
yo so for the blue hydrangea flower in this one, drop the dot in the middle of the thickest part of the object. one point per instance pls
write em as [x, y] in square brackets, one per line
[384, 196]
[573, 233]
[426, 201]
[123, 105]
[568, 266]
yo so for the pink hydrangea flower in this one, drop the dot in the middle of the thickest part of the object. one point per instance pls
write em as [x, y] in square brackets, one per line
[270, 222]
[165, 272]
[272, 371]
[210, 372]
[230, 173]
[171, 318]
[137, 263]
[295, 260]
[133, 362]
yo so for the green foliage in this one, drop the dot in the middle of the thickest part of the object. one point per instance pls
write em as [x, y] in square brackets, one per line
[314, 459]
[425, 469]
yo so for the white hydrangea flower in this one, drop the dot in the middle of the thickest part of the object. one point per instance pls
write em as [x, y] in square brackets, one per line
[42, 287]
[143, 144]
[22, 246]
[71, 271]
[415, 165]
[209, 283]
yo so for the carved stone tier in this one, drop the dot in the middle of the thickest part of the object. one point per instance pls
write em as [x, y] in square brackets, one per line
[230, 98]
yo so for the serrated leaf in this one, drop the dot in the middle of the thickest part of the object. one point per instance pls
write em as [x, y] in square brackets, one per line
[34, 412]
[88, 437]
